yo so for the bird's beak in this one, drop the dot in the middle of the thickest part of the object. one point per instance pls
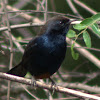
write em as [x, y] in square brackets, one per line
[72, 20]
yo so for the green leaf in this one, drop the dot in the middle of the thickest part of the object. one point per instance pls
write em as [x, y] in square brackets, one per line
[71, 34]
[87, 39]
[91, 20]
[96, 17]
[96, 25]
[95, 29]
[74, 55]
[79, 26]
[87, 21]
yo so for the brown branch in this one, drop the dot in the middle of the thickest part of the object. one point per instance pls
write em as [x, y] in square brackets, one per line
[21, 49]
[73, 8]
[46, 10]
[21, 26]
[28, 25]
[49, 87]
[30, 92]
[15, 10]
[81, 86]
[85, 53]
[85, 7]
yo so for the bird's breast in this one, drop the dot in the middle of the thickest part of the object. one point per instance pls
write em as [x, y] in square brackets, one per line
[53, 45]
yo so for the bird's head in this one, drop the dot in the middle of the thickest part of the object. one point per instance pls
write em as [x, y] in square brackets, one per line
[58, 24]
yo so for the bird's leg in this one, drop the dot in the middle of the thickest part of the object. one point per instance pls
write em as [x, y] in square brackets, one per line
[33, 82]
[53, 85]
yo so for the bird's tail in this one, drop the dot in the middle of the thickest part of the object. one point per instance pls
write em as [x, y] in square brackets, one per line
[18, 70]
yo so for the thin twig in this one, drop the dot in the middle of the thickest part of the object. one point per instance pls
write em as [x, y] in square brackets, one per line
[15, 10]
[94, 49]
[11, 44]
[29, 92]
[40, 4]
[22, 26]
[85, 53]
[16, 43]
[85, 7]
[81, 86]
[53, 5]
[28, 25]
[46, 9]
[73, 8]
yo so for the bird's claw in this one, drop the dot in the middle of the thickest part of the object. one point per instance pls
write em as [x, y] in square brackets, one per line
[53, 86]
[33, 83]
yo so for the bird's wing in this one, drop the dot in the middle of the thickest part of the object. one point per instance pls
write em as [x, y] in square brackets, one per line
[30, 49]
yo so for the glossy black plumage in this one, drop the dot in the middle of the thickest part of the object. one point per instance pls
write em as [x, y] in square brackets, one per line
[44, 54]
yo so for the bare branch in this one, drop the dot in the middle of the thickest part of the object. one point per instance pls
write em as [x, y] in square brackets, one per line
[85, 7]
[73, 8]
[21, 26]
[49, 87]
[85, 53]
[94, 89]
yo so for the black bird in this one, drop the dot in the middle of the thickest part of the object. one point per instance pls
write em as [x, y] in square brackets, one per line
[44, 54]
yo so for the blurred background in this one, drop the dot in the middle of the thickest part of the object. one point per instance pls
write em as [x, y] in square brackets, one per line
[81, 74]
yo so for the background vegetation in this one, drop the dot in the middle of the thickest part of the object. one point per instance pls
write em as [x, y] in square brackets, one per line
[81, 74]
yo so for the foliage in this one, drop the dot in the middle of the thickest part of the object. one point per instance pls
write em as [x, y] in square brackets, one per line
[82, 71]
[82, 28]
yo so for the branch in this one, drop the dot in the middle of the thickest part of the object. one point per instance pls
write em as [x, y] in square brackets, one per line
[85, 7]
[28, 25]
[16, 43]
[21, 26]
[81, 86]
[85, 53]
[73, 8]
[16, 10]
[49, 87]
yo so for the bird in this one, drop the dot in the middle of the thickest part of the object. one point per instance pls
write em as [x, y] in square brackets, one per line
[45, 53]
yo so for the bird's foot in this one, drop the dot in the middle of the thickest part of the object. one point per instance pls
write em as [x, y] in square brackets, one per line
[53, 86]
[33, 83]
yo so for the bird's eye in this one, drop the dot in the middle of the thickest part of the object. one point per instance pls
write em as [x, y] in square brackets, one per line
[60, 22]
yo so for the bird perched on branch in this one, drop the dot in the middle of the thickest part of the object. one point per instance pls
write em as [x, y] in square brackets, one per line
[44, 54]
